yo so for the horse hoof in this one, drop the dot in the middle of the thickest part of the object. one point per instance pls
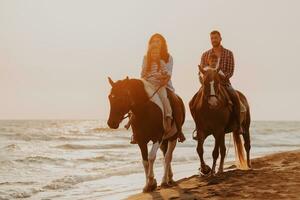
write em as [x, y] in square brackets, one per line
[164, 185]
[249, 166]
[150, 188]
[220, 171]
[205, 170]
[153, 186]
[212, 174]
[145, 189]
[172, 182]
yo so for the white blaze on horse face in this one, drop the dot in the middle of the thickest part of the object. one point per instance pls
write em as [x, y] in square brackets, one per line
[213, 101]
[212, 88]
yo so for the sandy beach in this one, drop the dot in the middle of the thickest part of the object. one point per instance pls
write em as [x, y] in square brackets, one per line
[276, 176]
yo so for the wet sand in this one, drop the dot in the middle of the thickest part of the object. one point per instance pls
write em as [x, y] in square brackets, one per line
[276, 176]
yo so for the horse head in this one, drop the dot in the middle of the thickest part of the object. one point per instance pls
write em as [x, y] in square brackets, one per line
[211, 85]
[120, 102]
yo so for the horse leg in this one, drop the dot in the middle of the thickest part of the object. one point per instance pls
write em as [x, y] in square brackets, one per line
[151, 185]
[247, 145]
[168, 158]
[223, 153]
[144, 151]
[164, 148]
[204, 169]
[215, 153]
[171, 180]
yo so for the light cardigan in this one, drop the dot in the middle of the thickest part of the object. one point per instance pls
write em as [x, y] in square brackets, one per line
[153, 76]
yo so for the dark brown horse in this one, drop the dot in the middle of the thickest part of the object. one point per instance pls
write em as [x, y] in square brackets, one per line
[213, 115]
[130, 95]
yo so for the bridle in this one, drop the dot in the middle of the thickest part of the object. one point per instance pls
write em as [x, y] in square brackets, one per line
[212, 88]
[211, 85]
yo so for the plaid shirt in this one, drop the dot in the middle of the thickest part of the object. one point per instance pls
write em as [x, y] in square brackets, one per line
[226, 63]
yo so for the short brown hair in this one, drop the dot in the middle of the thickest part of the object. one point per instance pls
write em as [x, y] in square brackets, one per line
[215, 32]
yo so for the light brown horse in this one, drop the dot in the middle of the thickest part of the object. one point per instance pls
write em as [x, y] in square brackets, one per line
[213, 115]
[130, 95]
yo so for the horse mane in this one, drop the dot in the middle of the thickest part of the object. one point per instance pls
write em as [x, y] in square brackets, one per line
[134, 86]
[137, 91]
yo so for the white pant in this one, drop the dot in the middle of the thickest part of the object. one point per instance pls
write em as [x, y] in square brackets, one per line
[162, 93]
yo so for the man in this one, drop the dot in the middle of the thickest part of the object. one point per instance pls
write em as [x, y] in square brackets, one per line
[226, 65]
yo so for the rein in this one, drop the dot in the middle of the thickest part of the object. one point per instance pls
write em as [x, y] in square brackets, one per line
[127, 115]
[155, 92]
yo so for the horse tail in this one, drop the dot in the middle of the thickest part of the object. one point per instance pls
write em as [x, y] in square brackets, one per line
[239, 151]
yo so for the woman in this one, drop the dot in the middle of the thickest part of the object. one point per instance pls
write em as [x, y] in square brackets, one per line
[157, 69]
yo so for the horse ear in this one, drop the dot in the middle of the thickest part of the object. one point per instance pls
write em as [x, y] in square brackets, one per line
[111, 82]
[127, 80]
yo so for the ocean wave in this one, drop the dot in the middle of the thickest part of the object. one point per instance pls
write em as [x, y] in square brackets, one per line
[102, 129]
[68, 182]
[5, 163]
[11, 147]
[18, 183]
[93, 159]
[80, 146]
[14, 194]
[185, 159]
[19, 195]
[40, 159]
[115, 146]
[76, 146]
[273, 145]
[29, 136]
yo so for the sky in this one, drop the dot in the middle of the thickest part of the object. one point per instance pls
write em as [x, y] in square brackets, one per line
[56, 55]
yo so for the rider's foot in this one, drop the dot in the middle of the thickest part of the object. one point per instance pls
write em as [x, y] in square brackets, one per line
[127, 126]
[181, 137]
[133, 140]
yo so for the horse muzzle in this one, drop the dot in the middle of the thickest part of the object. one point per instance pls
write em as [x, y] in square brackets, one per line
[213, 102]
[113, 124]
